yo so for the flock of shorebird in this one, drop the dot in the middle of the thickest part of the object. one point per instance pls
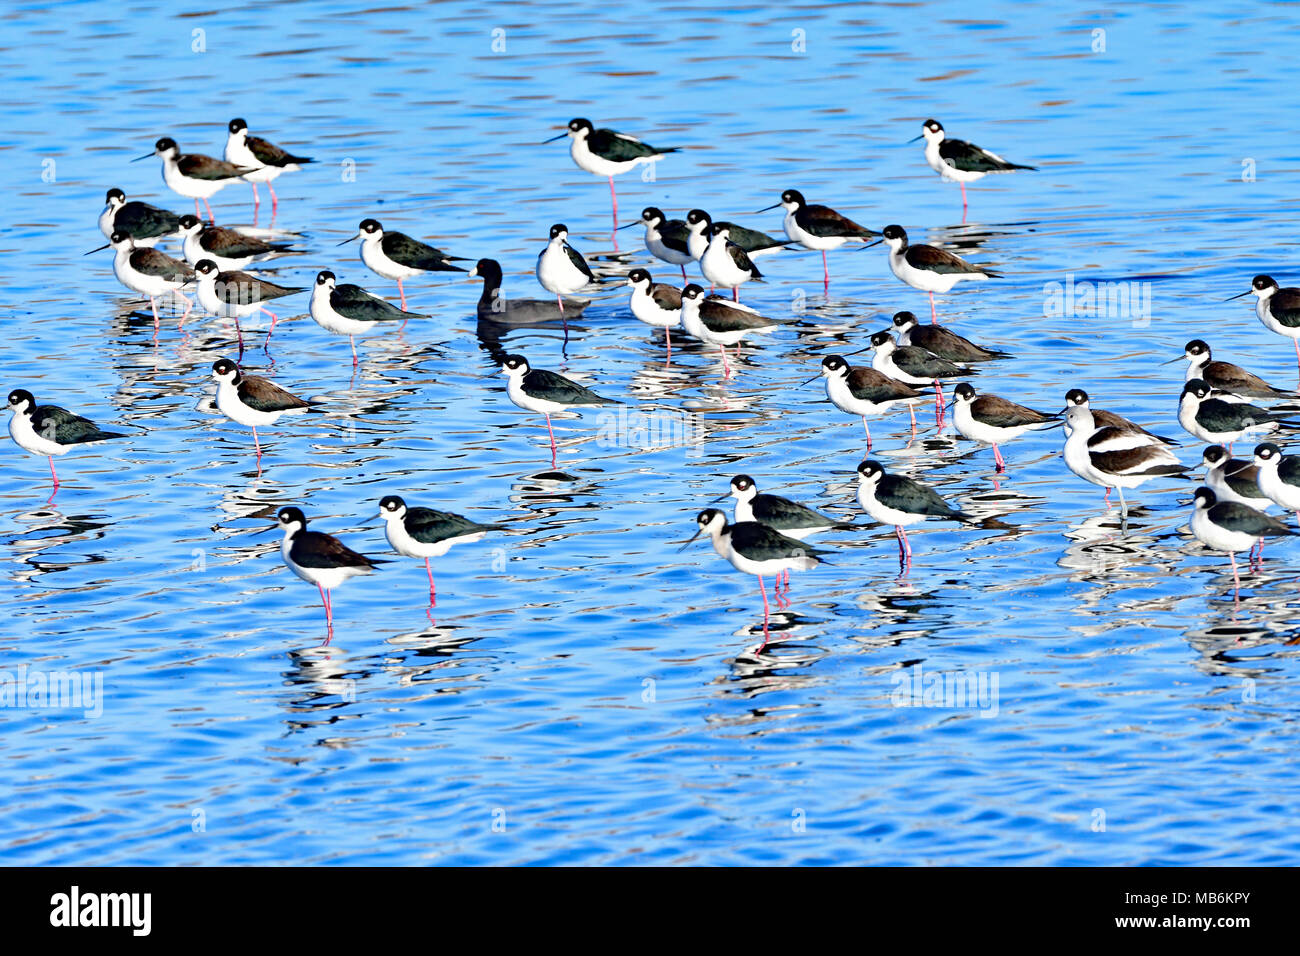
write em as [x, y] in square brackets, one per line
[911, 361]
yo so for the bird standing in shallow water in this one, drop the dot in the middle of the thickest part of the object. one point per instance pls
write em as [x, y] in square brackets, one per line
[899, 501]
[426, 533]
[50, 430]
[395, 255]
[929, 268]
[864, 391]
[350, 310]
[252, 400]
[539, 390]
[959, 161]
[1232, 527]
[1278, 309]
[265, 160]
[320, 559]
[994, 420]
[192, 174]
[818, 227]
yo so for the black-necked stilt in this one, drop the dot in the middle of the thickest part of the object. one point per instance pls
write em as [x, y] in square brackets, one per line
[236, 295]
[717, 322]
[426, 533]
[1278, 309]
[665, 238]
[320, 559]
[395, 255]
[1278, 476]
[657, 304]
[1232, 479]
[561, 270]
[50, 430]
[227, 248]
[754, 548]
[1113, 452]
[699, 225]
[942, 341]
[194, 175]
[350, 310]
[864, 391]
[1221, 419]
[789, 517]
[1225, 376]
[539, 390]
[993, 420]
[148, 272]
[818, 227]
[959, 161]
[493, 305]
[607, 152]
[266, 160]
[929, 268]
[1231, 526]
[725, 264]
[899, 501]
[913, 365]
[144, 223]
[252, 400]
[1103, 418]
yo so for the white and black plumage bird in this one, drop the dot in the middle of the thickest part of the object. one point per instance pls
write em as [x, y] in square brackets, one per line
[789, 517]
[993, 420]
[1278, 476]
[1225, 376]
[320, 559]
[716, 322]
[194, 175]
[657, 304]
[959, 161]
[1104, 418]
[495, 306]
[725, 264]
[1220, 419]
[145, 224]
[942, 341]
[426, 533]
[539, 390]
[1113, 455]
[148, 272]
[899, 501]
[754, 548]
[699, 226]
[864, 391]
[561, 270]
[350, 310]
[607, 152]
[1232, 479]
[819, 228]
[913, 365]
[265, 160]
[1277, 308]
[395, 255]
[228, 248]
[50, 430]
[665, 238]
[1231, 526]
[235, 295]
[929, 268]
[252, 400]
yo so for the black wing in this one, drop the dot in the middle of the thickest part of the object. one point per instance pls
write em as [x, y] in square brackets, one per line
[871, 386]
[196, 166]
[271, 155]
[62, 426]
[824, 221]
[949, 345]
[430, 526]
[1216, 415]
[717, 316]
[579, 263]
[1000, 413]
[1143, 460]
[666, 296]
[758, 542]
[356, 303]
[751, 240]
[552, 387]
[971, 158]
[241, 288]
[673, 233]
[617, 148]
[418, 255]
[151, 262]
[230, 244]
[934, 259]
[782, 513]
[1238, 517]
[1284, 304]
[917, 361]
[741, 258]
[1288, 469]
[139, 220]
[904, 494]
[264, 395]
[313, 549]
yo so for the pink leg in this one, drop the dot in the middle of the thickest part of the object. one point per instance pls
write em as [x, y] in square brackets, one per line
[197, 214]
[329, 613]
[963, 202]
[257, 200]
[274, 319]
[683, 272]
[53, 474]
[433, 593]
[1107, 498]
[1297, 352]
[934, 316]
[997, 457]
[767, 613]
[402, 293]
[939, 404]
[826, 272]
[613, 196]
[353, 342]
[911, 410]
[275, 200]
[257, 447]
[559, 300]
[239, 332]
[726, 369]
[867, 428]
[735, 294]
[551, 432]
[211, 218]
[668, 342]
[189, 307]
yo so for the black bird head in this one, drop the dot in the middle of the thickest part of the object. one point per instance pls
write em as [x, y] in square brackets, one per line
[1076, 396]
[742, 486]
[514, 365]
[559, 231]
[652, 215]
[881, 337]
[391, 506]
[1196, 348]
[224, 370]
[291, 518]
[1204, 499]
[1265, 452]
[1196, 388]
[870, 472]
[697, 216]
[206, 267]
[904, 321]
[964, 392]
[1214, 455]
[191, 223]
[21, 400]
[236, 125]
[326, 278]
[115, 196]
[895, 235]
[487, 269]
[638, 276]
[692, 291]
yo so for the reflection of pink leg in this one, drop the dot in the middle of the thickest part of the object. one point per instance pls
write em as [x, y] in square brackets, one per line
[274, 319]
[1107, 498]
[1236, 579]
[257, 446]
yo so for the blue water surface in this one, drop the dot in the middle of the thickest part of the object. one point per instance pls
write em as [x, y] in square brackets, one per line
[583, 693]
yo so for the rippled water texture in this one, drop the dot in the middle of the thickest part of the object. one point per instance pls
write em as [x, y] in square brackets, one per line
[583, 692]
